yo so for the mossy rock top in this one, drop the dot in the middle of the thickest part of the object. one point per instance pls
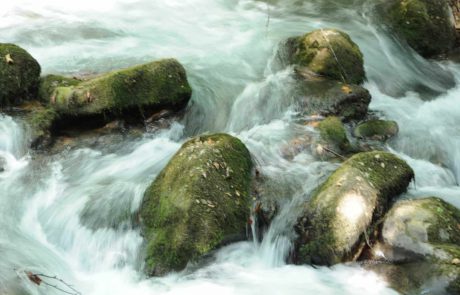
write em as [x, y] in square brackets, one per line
[19, 75]
[158, 84]
[376, 129]
[426, 25]
[427, 226]
[199, 201]
[330, 53]
[345, 206]
[332, 131]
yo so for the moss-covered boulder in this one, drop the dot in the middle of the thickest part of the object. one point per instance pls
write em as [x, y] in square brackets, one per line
[197, 203]
[332, 98]
[135, 95]
[154, 85]
[376, 130]
[425, 226]
[19, 75]
[328, 52]
[332, 131]
[426, 25]
[422, 238]
[333, 226]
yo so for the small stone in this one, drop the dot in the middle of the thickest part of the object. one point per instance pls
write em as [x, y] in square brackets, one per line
[216, 165]
[237, 193]
[456, 261]
[382, 164]
[204, 175]
[377, 156]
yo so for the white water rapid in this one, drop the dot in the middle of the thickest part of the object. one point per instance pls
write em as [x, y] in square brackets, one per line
[60, 214]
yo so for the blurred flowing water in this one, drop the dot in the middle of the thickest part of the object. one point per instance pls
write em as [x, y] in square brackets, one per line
[70, 214]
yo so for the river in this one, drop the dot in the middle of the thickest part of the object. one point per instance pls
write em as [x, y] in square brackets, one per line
[60, 214]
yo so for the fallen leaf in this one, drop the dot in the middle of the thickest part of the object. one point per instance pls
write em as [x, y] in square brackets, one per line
[346, 89]
[34, 278]
[9, 59]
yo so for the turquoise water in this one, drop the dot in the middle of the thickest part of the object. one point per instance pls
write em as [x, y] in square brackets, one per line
[228, 48]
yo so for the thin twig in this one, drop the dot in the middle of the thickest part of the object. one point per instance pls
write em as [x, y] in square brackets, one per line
[343, 74]
[61, 281]
[267, 24]
[335, 153]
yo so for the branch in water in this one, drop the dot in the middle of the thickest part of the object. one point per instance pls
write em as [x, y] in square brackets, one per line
[37, 279]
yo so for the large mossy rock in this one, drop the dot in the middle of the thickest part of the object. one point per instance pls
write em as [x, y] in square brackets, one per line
[134, 95]
[197, 203]
[332, 98]
[154, 85]
[19, 75]
[422, 238]
[376, 129]
[425, 226]
[426, 25]
[328, 52]
[340, 211]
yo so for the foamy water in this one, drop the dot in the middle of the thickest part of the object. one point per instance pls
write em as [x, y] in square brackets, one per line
[69, 214]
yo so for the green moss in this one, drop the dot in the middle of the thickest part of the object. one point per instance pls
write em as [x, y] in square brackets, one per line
[444, 225]
[50, 82]
[454, 286]
[19, 75]
[426, 25]
[373, 179]
[332, 131]
[198, 200]
[376, 129]
[330, 53]
[41, 121]
[158, 84]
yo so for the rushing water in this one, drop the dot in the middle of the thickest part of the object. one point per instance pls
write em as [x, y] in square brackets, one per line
[69, 214]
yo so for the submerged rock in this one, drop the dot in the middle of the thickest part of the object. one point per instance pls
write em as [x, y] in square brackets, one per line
[327, 52]
[197, 203]
[422, 238]
[376, 129]
[332, 98]
[342, 209]
[427, 25]
[19, 75]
